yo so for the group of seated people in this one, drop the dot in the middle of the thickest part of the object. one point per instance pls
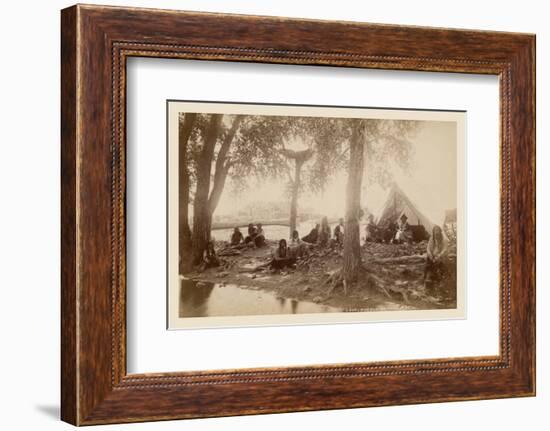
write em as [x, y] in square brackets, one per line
[283, 257]
[394, 233]
[322, 236]
[256, 236]
[286, 255]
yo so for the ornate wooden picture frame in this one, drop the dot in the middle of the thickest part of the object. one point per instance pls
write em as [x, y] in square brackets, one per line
[96, 42]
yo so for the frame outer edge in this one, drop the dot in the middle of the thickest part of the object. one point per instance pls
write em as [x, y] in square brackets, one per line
[533, 54]
[69, 202]
[530, 79]
[87, 396]
[532, 82]
[523, 216]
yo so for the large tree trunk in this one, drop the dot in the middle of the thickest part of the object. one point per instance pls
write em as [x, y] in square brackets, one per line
[294, 196]
[223, 165]
[299, 157]
[352, 243]
[294, 199]
[201, 213]
[186, 123]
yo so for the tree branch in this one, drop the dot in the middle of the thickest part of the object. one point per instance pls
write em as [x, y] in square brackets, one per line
[341, 155]
[300, 156]
[226, 144]
[222, 168]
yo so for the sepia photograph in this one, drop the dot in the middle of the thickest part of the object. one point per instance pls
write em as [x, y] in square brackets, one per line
[285, 214]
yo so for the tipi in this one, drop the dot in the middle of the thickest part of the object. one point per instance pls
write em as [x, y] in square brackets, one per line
[397, 204]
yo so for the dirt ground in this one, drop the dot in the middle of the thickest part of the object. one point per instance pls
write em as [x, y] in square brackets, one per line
[393, 280]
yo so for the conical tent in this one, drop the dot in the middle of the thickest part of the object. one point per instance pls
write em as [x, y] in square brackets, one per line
[398, 204]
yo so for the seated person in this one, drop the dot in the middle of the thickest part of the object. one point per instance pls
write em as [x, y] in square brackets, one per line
[236, 236]
[297, 248]
[324, 233]
[435, 255]
[209, 258]
[282, 258]
[419, 233]
[251, 233]
[371, 230]
[339, 232]
[313, 235]
[403, 233]
[259, 238]
[389, 232]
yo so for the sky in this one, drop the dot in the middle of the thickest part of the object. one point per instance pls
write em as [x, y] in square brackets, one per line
[431, 181]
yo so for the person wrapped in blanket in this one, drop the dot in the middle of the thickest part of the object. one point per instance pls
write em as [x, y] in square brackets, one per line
[436, 251]
[313, 235]
[297, 247]
[259, 239]
[209, 258]
[323, 239]
[236, 237]
[251, 233]
[255, 235]
[339, 233]
[371, 230]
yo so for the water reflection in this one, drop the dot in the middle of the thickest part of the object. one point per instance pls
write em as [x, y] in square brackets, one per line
[195, 296]
[202, 299]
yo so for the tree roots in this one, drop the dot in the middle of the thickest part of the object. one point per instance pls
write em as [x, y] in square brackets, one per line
[372, 281]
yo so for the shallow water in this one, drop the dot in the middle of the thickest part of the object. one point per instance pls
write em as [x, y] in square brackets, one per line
[205, 299]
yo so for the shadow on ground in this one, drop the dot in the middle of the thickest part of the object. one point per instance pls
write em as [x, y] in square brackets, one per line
[52, 411]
